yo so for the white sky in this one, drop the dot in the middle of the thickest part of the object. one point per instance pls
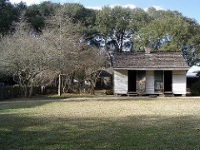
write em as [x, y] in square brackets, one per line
[28, 2]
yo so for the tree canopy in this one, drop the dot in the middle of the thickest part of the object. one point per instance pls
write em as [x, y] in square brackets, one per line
[161, 30]
[8, 14]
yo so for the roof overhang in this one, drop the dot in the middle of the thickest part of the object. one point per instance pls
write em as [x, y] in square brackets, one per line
[184, 69]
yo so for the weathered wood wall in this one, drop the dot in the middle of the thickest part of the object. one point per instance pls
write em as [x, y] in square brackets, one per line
[179, 82]
[120, 82]
[150, 82]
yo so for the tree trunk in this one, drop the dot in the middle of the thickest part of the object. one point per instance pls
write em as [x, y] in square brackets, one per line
[92, 89]
[93, 84]
[31, 89]
[121, 41]
[25, 89]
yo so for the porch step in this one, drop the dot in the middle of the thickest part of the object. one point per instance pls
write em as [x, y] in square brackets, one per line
[168, 94]
[132, 94]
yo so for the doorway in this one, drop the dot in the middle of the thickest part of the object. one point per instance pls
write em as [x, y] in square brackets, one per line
[131, 80]
[167, 81]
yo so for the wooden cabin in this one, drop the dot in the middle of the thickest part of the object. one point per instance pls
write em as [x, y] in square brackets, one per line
[156, 73]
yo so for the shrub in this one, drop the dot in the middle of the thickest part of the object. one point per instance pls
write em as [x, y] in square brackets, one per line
[16, 86]
[195, 89]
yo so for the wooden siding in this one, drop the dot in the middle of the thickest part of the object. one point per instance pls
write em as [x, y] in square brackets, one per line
[150, 82]
[121, 82]
[179, 82]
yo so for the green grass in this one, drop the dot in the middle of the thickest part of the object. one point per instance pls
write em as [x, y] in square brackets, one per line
[104, 124]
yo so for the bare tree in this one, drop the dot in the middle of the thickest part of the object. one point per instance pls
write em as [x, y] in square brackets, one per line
[25, 57]
[60, 50]
[95, 65]
[64, 37]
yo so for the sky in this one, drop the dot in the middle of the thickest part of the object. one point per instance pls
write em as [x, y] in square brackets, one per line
[188, 8]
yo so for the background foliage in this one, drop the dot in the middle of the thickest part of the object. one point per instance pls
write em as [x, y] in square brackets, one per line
[75, 41]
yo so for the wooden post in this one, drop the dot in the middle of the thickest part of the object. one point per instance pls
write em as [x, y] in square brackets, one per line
[59, 85]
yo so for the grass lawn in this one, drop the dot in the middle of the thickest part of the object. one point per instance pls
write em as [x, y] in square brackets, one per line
[160, 123]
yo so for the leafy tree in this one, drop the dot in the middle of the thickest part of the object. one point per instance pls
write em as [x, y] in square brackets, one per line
[37, 14]
[114, 23]
[139, 19]
[79, 14]
[8, 14]
[195, 89]
[35, 18]
[75, 11]
[169, 31]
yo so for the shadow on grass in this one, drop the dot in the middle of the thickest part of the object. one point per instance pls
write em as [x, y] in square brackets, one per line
[42, 100]
[21, 104]
[131, 132]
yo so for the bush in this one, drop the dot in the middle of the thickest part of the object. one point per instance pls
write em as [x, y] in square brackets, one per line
[16, 86]
[195, 89]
